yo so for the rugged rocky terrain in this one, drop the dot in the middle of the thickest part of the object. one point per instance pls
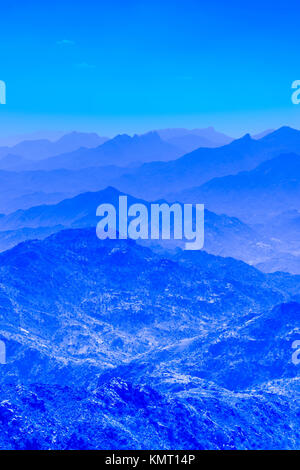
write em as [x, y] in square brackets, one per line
[112, 346]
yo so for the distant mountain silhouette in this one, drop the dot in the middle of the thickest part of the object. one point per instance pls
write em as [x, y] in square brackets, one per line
[110, 345]
[12, 162]
[47, 284]
[281, 136]
[154, 180]
[283, 229]
[189, 140]
[29, 199]
[267, 198]
[268, 190]
[122, 150]
[27, 188]
[149, 180]
[225, 236]
[284, 262]
[209, 134]
[262, 134]
[284, 226]
[11, 238]
[43, 148]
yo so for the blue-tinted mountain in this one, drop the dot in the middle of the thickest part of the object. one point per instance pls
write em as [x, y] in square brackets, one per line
[121, 415]
[281, 261]
[77, 297]
[284, 226]
[150, 180]
[11, 238]
[43, 148]
[12, 162]
[262, 134]
[267, 198]
[154, 180]
[225, 236]
[189, 140]
[112, 346]
[209, 135]
[122, 150]
[25, 201]
[283, 229]
[67, 212]
[268, 190]
[238, 357]
[27, 188]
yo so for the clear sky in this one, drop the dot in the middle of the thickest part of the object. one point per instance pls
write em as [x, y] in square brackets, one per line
[134, 65]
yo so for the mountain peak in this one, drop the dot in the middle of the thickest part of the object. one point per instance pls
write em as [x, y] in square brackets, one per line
[285, 130]
[246, 137]
[244, 140]
[282, 133]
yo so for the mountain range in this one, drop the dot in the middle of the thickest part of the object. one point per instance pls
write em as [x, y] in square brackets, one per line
[121, 149]
[110, 345]
[189, 140]
[158, 179]
[43, 148]
[117, 344]
[21, 190]
[73, 296]
[225, 236]
[266, 198]
[270, 189]
[149, 180]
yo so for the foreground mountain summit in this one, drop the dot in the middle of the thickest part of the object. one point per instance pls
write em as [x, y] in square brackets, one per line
[112, 346]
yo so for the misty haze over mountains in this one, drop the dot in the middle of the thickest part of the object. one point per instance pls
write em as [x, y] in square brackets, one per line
[249, 179]
[223, 235]
[271, 188]
[121, 344]
[72, 149]
[157, 179]
[43, 148]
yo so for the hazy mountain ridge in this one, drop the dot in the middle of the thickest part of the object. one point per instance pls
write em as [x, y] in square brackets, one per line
[158, 179]
[29, 188]
[42, 148]
[77, 288]
[224, 236]
[72, 151]
[269, 189]
[267, 198]
[189, 140]
[121, 150]
[112, 345]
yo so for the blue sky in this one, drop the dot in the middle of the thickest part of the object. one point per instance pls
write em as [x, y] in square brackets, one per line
[133, 65]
